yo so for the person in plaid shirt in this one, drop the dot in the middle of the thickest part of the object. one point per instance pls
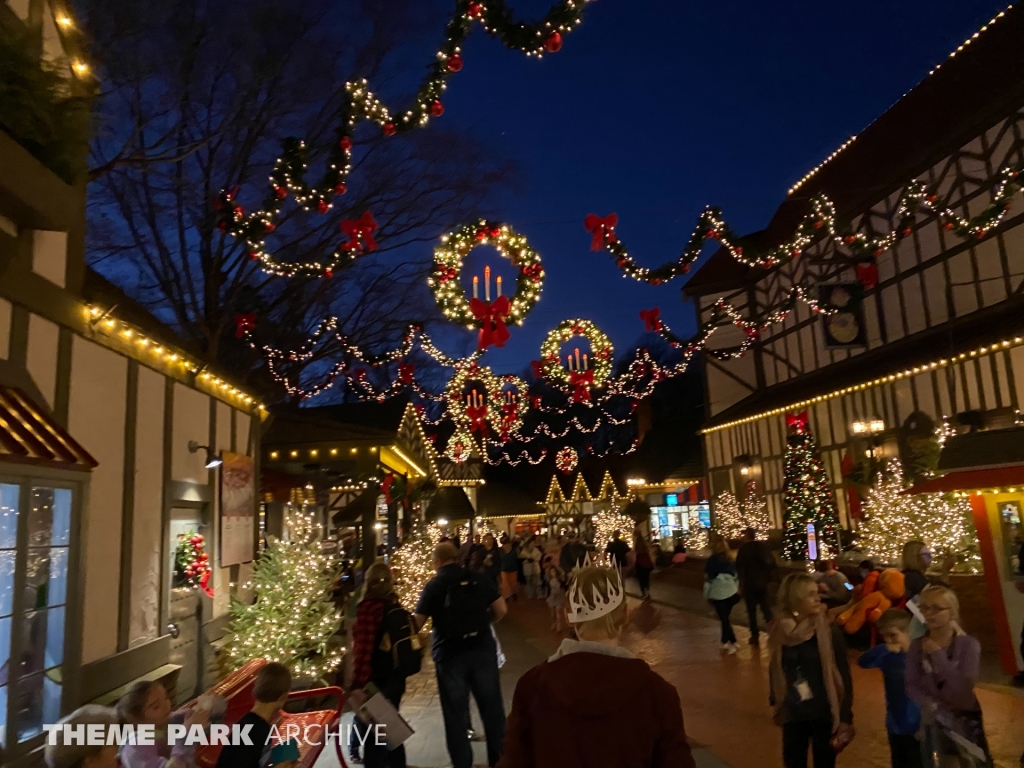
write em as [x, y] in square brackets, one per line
[378, 597]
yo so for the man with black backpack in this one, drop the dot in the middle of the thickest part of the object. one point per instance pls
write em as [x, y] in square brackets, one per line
[463, 605]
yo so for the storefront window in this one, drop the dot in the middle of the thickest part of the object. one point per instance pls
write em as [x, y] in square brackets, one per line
[31, 684]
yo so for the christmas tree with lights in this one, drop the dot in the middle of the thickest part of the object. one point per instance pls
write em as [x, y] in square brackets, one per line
[891, 520]
[293, 619]
[729, 520]
[412, 564]
[809, 506]
[605, 524]
[755, 512]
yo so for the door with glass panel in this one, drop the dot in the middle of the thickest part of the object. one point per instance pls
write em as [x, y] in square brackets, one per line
[35, 541]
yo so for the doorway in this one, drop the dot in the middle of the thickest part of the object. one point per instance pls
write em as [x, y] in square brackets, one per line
[185, 608]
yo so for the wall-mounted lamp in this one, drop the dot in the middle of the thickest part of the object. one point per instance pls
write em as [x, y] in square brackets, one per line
[745, 464]
[212, 459]
[441, 521]
[868, 427]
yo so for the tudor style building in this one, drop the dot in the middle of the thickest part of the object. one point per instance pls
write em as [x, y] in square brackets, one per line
[941, 330]
[99, 403]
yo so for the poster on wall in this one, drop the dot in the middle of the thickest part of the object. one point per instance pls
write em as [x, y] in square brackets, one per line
[237, 509]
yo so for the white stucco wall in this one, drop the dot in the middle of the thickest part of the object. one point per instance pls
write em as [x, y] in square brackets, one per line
[191, 422]
[146, 534]
[41, 358]
[96, 417]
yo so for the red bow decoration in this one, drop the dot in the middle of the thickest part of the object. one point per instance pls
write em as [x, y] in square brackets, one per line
[537, 366]
[797, 422]
[752, 332]
[652, 319]
[492, 317]
[477, 418]
[581, 382]
[360, 233]
[244, 324]
[405, 372]
[385, 487]
[602, 229]
[204, 583]
[867, 274]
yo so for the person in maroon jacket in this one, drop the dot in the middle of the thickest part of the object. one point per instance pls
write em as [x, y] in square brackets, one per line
[593, 703]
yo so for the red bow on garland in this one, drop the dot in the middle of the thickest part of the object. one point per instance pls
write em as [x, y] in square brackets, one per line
[405, 372]
[360, 233]
[652, 319]
[244, 324]
[797, 422]
[581, 382]
[537, 366]
[867, 274]
[602, 228]
[477, 419]
[492, 317]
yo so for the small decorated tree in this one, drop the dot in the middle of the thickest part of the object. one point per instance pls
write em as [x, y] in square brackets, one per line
[413, 563]
[755, 511]
[810, 508]
[293, 619]
[729, 520]
[945, 524]
[606, 523]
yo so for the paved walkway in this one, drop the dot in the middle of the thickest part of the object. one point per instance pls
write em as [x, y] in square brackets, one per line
[724, 699]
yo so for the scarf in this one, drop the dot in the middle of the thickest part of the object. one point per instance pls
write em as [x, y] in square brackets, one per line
[787, 631]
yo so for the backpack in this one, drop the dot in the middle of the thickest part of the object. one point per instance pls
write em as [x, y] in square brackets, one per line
[399, 649]
[466, 616]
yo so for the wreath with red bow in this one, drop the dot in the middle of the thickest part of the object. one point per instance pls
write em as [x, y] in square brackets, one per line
[491, 318]
[599, 361]
[483, 411]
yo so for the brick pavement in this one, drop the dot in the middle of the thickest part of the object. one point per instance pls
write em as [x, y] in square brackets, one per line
[724, 699]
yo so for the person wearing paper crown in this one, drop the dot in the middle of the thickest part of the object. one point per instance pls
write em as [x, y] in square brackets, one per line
[593, 703]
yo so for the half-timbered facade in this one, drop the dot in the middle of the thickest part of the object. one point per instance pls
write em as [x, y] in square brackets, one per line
[939, 328]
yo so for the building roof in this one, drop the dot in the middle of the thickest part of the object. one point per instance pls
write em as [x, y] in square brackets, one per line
[28, 434]
[451, 503]
[982, 81]
[503, 500]
[972, 480]
[301, 428]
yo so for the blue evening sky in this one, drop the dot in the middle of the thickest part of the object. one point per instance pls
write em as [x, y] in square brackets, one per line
[655, 108]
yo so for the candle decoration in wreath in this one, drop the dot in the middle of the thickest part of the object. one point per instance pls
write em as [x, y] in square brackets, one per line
[510, 405]
[472, 395]
[460, 446]
[582, 372]
[490, 317]
[566, 460]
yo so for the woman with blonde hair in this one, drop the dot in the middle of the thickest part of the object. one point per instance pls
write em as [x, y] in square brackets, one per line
[942, 670]
[721, 588]
[65, 752]
[147, 703]
[809, 673]
[593, 702]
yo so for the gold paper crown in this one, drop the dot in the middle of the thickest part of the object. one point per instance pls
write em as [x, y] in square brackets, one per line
[580, 609]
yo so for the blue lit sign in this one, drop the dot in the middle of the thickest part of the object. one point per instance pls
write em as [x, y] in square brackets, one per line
[671, 499]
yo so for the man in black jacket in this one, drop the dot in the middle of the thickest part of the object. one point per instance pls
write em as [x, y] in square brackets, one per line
[756, 568]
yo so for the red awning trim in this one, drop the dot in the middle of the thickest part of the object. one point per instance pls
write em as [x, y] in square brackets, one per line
[973, 480]
[29, 434]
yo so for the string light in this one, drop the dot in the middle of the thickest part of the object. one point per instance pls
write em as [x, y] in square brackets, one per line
[288, 177]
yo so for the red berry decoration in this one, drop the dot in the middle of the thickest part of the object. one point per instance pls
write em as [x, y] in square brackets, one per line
[389, 129]
[269, 226]
[323, 206]
[474, 10]
[948, 226]
[345, 143]
[553, 42]
[455, 63]
[819, 224]
[656, 281]
[850, 239]
[328, 273]
[254, 256]
[437, 108]
[908, 231]
[340, 188]
[281, 193]
[223, 227]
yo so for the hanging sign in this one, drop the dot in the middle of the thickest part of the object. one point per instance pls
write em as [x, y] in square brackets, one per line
[237, 509]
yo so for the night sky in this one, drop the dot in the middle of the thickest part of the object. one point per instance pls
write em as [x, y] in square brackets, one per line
[655, 108]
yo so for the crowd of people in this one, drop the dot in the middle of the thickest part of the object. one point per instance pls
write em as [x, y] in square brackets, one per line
[561, 712]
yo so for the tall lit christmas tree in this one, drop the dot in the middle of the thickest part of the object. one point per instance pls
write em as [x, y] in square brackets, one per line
[294, 617]
[809, 506]
[891, 520]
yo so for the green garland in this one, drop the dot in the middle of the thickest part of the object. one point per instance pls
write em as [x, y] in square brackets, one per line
[288, 178]
[863, 247]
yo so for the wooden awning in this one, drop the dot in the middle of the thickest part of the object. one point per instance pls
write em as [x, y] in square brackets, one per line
[28, 434]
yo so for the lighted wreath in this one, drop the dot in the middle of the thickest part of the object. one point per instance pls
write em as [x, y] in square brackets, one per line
[476, 411]
[460, 446]
[490, 317]
[566, 460]
[509, 405]
[581, 373]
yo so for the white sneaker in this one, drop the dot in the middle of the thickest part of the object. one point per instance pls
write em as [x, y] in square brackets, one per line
[731, 648]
